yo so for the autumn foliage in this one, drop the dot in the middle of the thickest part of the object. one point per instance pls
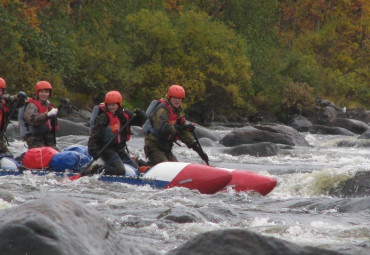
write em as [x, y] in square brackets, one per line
[232, 57]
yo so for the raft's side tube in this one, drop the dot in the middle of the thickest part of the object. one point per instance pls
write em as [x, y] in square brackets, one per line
[205, 179]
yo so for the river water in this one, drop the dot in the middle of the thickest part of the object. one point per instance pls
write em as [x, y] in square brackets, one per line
[298, 210]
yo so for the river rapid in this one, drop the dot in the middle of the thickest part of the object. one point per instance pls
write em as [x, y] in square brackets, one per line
[299, 209]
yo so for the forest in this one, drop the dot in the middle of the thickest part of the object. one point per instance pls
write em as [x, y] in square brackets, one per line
[233, 57]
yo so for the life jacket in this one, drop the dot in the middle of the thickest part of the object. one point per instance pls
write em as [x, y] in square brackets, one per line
[114, 124]
[26, 129]
[148, 126]
[4, 113]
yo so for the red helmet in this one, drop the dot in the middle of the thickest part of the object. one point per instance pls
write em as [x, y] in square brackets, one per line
[42, 85]
[2, 83]
[113, 97]
[176, 91]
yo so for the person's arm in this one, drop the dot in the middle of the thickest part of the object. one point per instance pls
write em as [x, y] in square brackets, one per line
[140, 117]
[96, 138]
[162, 125]
[32, 116]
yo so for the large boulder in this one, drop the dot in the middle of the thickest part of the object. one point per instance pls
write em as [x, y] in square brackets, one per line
[274, 133]
[356, 126]
[207, 133]
[264, 149]
[365, 135]
[326, 115]
[243, 242]
[325, 130]
[67, 127]
[59, 225]
[300, 124]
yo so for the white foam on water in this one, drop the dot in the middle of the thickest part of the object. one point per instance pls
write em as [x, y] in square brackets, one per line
[322, 234]
[312, 184]
[306, 175]
[198, 228]
[4, 204]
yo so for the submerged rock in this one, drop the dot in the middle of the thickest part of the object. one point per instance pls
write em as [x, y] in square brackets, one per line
[242, 242]
[258, 149]
[358, 186]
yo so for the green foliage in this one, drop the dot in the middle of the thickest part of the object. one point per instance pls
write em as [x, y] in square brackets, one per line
[232, 57]
[14, 67]
[186, 49]
[333, 34]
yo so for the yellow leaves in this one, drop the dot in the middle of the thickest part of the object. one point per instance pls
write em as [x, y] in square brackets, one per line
[295, 95]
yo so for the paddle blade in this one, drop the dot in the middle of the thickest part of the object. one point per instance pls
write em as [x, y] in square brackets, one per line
[75, 177]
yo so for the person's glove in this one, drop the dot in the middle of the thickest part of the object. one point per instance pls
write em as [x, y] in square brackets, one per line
[53, 112]
[203, 156]
[188, 127]
[22, 95]
[94, 155]
[200, 152]
[179, 121]
[139, 113]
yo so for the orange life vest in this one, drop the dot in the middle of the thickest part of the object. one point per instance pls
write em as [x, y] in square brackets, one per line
[115, 124]
[44, 108]
[173, 116]
[4, 112]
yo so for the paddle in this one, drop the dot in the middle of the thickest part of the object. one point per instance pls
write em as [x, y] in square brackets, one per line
[53, 124]
[200, 147]
[83, 169]
[10, 116]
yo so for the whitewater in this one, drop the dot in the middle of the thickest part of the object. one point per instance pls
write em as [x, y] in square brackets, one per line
[302, 208]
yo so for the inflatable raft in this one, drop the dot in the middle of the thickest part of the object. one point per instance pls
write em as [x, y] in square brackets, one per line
[206, 179]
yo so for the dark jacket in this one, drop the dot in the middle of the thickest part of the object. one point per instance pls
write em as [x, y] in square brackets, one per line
[100, 135]
[166, 133]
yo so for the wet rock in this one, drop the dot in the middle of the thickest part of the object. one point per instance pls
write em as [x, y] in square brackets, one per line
[354, 143]
[355, 205]
[325, 103]
[325, 130]
[300, 124]
[242, 242]
[326, 115]
[182, 215]
[357, 114]
[13, 132]
[204, 141]
[358, 186]
[67, 110]
[264, 149]
[274, 133]
[67, 127]
[65, 107]
[59, 225]
[137, 131]
[365, 135]
[203, 132]
[356, 126]
[321, 205]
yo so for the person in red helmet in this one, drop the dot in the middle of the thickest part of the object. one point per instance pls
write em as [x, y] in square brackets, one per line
[8, 104]
[165, 125]
[38, 120]
[111, 118]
